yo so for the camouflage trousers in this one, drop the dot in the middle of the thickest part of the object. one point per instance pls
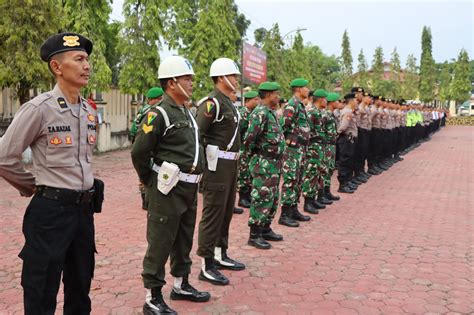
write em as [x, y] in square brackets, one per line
[244, 180]
[330, 162]
[315, 171]
[292, 169]
[265, 181]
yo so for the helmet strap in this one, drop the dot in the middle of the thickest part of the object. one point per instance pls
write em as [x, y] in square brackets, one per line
[229, 84]
[181, 88]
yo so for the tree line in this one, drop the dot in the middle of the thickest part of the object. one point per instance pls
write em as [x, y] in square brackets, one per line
[126, 54]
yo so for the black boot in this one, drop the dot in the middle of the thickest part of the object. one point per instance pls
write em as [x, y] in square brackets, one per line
[298, 216]
[222, 261]
[322, 198]
[345, 189]
[244, 199]
[329, 195]
[285, 217]
[154, 303]
[309, 206]
[256, 239]
[269, 235]
[182, 290]
[144, 202]
[210, 273]
[238, 210]
[318, 205]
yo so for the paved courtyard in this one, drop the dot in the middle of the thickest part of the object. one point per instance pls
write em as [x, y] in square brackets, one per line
[403, 243]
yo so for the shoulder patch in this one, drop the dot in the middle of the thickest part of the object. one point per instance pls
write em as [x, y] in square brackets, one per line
[150, 117]
[147, 129]
[62, 102]
[209, 106]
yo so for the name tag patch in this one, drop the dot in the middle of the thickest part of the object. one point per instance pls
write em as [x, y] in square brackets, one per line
[59, 129]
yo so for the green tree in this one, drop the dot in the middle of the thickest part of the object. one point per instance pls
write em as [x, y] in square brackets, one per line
[90, 18]
[427, 67]
[273, 45]
[395, 72]
[410, 79]
[445, 82]
[346, 55]
[461, 84]
[297, 64]
[112, 55]
[260, 34]
[21, 35]
[323, 70]
[362, 71]
[378, 86]
[216, 35]
[139, 46]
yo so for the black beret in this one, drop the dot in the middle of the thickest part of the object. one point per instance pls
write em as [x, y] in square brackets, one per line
[62, 42]
[349, 96]
[367, 94]
[376, 97]
[357, 89]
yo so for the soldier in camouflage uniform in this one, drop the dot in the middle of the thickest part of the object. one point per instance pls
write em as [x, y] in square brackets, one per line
[296, 130]
[265, 143]
[154, 96]
[330, 127]
[244, 182]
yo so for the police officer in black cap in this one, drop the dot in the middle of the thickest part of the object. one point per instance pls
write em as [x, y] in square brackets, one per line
[60, 128]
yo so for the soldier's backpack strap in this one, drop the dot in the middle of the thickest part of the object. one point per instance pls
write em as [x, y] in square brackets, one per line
[216, 103]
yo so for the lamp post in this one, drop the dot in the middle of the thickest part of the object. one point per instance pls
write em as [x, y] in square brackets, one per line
[296, 30]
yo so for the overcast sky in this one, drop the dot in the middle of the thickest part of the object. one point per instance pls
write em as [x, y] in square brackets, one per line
[369, 24]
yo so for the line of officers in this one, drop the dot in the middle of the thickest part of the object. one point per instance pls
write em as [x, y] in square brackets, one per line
[222, 148]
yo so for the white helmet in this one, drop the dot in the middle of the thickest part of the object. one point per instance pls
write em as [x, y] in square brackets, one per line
[223, 66]
[174, 66]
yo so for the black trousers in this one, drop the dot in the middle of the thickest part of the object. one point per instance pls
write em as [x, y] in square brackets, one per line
[362, 149]
[345, 168]
[375, 147]
[59, 239]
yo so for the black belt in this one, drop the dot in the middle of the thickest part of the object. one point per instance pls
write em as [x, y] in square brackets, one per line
[67, 196]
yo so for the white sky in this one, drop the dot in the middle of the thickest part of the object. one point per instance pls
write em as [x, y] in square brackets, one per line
[369, 24]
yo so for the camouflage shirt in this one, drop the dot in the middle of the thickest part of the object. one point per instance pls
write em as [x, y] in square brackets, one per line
[315, 121]
[294, 122]
[264, 135]
[330, 127]
[244, 120]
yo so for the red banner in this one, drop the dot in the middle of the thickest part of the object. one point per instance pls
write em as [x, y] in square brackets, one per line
[254, 64]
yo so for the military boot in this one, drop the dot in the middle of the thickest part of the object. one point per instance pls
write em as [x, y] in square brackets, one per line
[244, 199]
[222, 261]
[329, 195]
[182, 290]
[309, 206]
[317, 204]
[298, 216]
[345, 189]
[285, 217]
[210, 273]
[269, 235]
[154, 303]
[322, 198]
[238, 210]
[256, 239]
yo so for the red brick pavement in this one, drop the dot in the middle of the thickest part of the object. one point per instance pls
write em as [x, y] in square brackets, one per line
[402, 243]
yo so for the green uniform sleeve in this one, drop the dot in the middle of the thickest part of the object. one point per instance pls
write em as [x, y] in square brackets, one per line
[255, 127]
[205, 115]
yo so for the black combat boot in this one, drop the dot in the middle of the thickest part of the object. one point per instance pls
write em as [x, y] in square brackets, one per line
[285, 217]
[309, 206]
[269, 235]
[244, 199]
[322, 198]
[329, 195]
[345, 189]
[210, 273]
[222, 261]
[256, 239]
[238, 210]
[298, 216]
[182, 290]
[318, 205]
[154, 303]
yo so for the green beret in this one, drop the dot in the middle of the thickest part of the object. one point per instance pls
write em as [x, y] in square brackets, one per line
[154, 92]
[250, 94]
[332, 97]
[320, 93]
[269, 86]
[62, 42]
[300, 82]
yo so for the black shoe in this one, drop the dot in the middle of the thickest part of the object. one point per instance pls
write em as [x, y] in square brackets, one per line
[155, 304]
[309, 206]
[318, 205]
[356, 181]
[329, 195]
[378, 169]
[398, 158]
[222, 261]
[238, 210]
[372, 171]
[188, 292]
[210, 273]
[269, 235]
[285, 217]
[298, 216]
[345, 189]
[322, 198]
[361, 179]
[352, 185]
[256, 239]
[244, 199]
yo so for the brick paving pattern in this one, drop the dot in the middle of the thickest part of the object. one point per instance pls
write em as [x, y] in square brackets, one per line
[403, 243]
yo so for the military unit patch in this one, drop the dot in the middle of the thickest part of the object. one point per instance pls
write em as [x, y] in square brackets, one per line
[209, 106]
[68, 140]
[55, 140]
[146, 128]
[150, 117]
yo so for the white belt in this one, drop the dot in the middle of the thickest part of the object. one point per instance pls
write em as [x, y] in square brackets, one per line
[184, 177]
[228, 155]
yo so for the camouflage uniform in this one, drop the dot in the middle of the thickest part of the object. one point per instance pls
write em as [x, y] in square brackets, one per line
[330, 134]
[264, 141]
[244, 182]
[296, 130]
[314, 172]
